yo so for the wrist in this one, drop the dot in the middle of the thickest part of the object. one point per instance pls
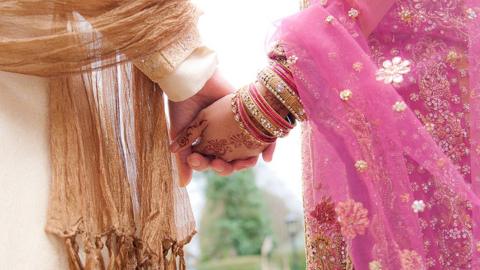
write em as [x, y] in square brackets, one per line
[215, 88]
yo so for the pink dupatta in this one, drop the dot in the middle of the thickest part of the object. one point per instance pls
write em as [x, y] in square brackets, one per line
[361, 137]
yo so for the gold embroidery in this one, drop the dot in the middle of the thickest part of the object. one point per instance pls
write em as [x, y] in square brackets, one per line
[326, 247]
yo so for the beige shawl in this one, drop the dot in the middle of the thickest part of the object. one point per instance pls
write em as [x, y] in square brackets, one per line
[114, 199]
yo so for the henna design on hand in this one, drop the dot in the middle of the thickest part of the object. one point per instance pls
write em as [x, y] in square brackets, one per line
[242, 139]
[217, 147]
[185, 139]
[220, 147]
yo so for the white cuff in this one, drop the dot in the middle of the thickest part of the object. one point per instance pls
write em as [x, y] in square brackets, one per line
[190, 76]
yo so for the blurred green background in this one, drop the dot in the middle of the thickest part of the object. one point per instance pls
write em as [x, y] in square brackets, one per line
[244, 227]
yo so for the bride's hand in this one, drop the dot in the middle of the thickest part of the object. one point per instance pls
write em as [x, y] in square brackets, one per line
[216, 134]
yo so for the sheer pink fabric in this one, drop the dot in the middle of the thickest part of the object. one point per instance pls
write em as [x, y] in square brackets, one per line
[391, 166]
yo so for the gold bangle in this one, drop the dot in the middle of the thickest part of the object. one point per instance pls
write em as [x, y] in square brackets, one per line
[261, 118]
[282, 92]
[239, 120]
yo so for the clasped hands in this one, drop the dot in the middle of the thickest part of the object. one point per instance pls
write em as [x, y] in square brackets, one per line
[206, 135]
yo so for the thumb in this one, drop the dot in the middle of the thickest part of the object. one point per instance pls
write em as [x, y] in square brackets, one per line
[187, 136]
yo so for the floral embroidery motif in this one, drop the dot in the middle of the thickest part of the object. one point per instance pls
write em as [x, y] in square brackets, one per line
[324, 212]
[405, 15]
[452, 57]
[346, 94]
[399, 106]
[353, 218]
[436, 93]
[393, 70]
[418, 206]
[375, 265]
[329, 19]
[353, 13]
[430, 127]
[429, 16]
[361, 165]
[357, 66]
[410, 260]
[471, 14]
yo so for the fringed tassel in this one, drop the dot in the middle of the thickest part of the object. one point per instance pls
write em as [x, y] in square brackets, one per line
[169, 260]
[141, 258]
[112, 251]
[126, 259]
[181, 259]
[151, 263]
[168, 256]
[161, 258]
[178, 256]
[125, 253]
[72, 251]
[94, 260]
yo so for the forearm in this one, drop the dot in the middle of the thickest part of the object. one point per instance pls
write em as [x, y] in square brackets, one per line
[269, 108]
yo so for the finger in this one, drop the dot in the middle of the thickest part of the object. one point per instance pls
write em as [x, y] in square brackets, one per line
[245, 163]
[188, 136]
[221, 167]
[184, 170]
[185, 175]
[198, 162]
[267, 154]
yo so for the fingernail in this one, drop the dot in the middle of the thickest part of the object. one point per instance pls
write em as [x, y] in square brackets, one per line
[194, 162]
[219, 170]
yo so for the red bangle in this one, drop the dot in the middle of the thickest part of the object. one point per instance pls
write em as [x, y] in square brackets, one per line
[267, 110]
[285, 74]
[250, 126]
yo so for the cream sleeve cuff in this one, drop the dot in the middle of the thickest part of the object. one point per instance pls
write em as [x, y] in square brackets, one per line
[190, 76]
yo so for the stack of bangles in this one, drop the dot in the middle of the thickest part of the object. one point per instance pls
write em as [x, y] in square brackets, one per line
[256, 116]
